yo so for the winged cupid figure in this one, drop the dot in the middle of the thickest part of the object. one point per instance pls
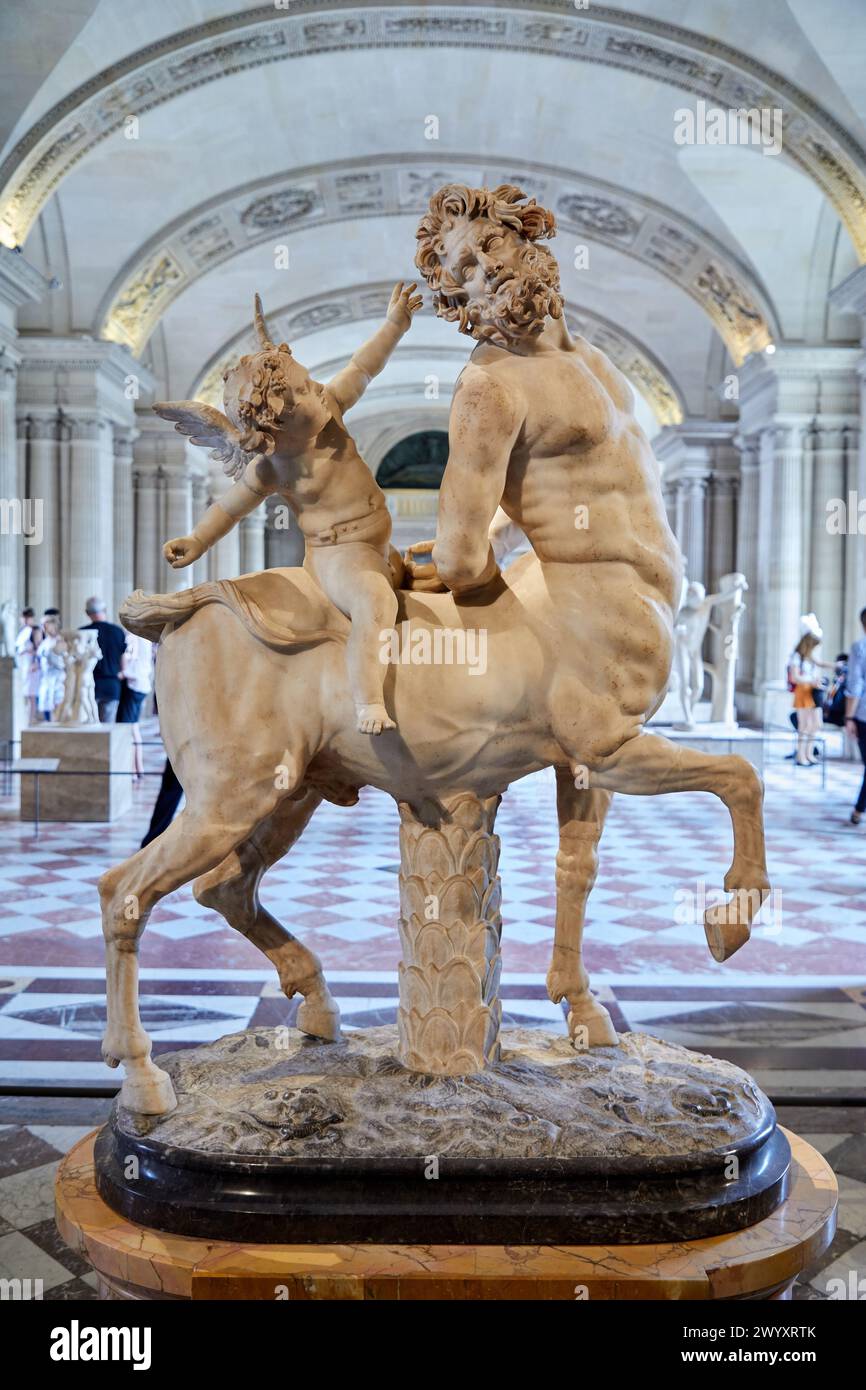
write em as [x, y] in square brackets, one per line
[283, 433]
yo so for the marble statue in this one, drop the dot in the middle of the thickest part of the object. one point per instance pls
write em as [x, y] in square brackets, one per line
[81, 653]
[690, 630]
[283, 434]
[8, 627]
[578, 635]
[723, 673]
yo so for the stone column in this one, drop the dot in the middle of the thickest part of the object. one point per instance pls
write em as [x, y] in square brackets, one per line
[199, 495]
[124, 516]
[850, 297]
[783, 597]
[44, 561]
[252, 542]
[855, 542]
[450, 927]
[224, 558]
[147, 541]
[177, 520]
[722, 527]
[84, 384]
[87, 534]
[694, 524]
[284, 543]
[827, 571]
[11, 499]
[787, 400]
[19, 284]
[747, 558]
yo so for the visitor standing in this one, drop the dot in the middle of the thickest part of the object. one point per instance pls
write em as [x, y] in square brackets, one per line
[136, 685]
[106, 673]
[52, 668]
[26, 647]
[855, 712]
[804, 680]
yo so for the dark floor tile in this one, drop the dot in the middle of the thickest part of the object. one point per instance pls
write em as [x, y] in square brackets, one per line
[20, 1150]
[48, 1238]
[849, 1157]
[842, 1242]
[823, 1119]
[76, 1291]
[53, 1110]
[804, 1293]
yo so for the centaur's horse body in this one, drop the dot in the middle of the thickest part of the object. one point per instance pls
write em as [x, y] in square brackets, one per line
[259, 724]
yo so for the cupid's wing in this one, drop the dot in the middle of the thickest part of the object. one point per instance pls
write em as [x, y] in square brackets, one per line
[210, 429]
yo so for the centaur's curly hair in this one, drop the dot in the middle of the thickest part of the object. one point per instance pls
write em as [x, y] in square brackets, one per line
[507, 207]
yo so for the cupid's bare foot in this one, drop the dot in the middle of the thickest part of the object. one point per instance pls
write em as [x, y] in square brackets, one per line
[372, 719]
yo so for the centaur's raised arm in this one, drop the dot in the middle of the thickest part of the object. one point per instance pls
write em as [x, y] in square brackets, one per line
[485, 421]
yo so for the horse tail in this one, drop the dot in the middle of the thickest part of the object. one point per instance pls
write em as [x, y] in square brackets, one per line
[153, 615]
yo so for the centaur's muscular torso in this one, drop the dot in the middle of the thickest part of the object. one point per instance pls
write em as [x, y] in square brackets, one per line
[551, 435]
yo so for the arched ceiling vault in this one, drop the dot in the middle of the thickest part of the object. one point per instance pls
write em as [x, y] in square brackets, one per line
[589, 208]
[638, 43]
[355, 303]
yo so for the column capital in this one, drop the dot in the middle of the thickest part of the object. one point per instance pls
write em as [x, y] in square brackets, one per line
[42, 425]
[724, 484]
[124, 438]
[81, 428]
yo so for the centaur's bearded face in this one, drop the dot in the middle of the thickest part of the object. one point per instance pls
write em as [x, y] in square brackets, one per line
[503, 285]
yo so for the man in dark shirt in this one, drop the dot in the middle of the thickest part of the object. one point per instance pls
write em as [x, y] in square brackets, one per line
[106, 673]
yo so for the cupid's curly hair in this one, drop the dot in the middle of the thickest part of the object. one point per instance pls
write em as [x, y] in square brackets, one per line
[507, 206]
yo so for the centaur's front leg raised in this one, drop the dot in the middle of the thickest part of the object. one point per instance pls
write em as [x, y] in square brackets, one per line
[581, 820]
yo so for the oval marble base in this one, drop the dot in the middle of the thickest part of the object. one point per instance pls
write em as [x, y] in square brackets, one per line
[278, 1137]
[761, 1262]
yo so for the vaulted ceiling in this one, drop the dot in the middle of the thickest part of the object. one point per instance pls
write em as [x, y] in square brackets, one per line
[164, 161]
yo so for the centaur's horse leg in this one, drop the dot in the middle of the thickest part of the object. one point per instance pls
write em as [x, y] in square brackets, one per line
[647, 765]
[581, 820]
[232, 889]
[201, 837]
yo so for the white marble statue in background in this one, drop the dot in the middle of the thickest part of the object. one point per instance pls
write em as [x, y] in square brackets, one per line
[732, 587]
[82, 652]
[692, 623]
[8, 627]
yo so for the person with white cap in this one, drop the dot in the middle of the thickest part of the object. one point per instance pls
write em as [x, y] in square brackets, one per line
[804, 678]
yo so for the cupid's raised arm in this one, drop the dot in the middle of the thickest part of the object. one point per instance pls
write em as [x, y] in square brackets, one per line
[349, 385]
[485, 421]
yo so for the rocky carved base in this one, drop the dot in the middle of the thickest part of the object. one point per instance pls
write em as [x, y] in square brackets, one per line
[278, 1137]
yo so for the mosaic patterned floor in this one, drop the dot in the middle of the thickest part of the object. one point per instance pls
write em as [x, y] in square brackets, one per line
[35, 1132]
[791, 1006]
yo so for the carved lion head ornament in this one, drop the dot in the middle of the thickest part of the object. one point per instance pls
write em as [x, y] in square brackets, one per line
[478, 252]
[261, 394]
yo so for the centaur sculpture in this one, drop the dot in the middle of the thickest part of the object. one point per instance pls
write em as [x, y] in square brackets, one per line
[579, 643]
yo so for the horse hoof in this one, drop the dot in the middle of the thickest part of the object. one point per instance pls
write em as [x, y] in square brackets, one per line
[319, 1021]
[724, 936]
[151, 1094]
[589, 1025]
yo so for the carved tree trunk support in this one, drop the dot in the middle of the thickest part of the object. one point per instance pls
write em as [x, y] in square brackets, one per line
[450, 929]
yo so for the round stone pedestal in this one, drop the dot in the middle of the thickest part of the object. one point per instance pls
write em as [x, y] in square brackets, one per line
[761, 1262]
[279, 1137]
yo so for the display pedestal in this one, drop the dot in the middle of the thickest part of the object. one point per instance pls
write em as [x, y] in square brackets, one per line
[87, 749]
[11, 704]
[720, 738]
[761, 1262]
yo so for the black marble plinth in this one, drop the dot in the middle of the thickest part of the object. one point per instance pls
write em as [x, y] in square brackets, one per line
[424, 1200]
